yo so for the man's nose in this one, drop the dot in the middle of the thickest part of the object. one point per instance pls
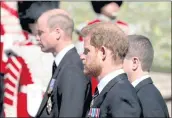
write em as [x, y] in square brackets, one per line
[37, 38]
[82, 56]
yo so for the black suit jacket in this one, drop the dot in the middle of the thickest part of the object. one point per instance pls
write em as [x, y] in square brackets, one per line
[151, 100]
[118, 99]
[71, 95]
[1, 93]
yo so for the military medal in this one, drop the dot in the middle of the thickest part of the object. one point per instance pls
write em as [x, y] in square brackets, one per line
[49, 105]
[94, 112]
[50, 89]
[49, 102]
[92, 101]
[93, 98]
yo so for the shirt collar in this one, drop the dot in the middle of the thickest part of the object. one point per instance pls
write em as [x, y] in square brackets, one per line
[61, 54]
[104, 81]
[137, 81]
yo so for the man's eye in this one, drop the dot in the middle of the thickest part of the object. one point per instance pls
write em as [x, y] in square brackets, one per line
[39, 33]
[86, 51]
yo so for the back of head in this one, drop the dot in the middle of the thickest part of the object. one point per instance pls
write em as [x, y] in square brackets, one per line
[112, 37]
[60, 18]
[141, 47]
[62, 21]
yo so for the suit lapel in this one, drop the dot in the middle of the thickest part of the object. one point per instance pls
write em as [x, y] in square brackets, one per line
[102, 95]
[67, 57]
[65, 60]
[43, 104]
[143, 83]
[44, 101]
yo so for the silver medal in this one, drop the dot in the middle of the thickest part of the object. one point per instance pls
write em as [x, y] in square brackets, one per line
[49, 102]
[49, 105]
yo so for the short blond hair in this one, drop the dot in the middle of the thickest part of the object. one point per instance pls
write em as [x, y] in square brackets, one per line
[63, 21]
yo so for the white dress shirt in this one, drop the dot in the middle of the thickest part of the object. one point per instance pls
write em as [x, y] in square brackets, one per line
[104, 81]
[137, 81]
[62, 53]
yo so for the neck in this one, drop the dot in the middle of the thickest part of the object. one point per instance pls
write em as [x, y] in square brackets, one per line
[137, 75]
[108, 69]
[61, 46]
[105, 18]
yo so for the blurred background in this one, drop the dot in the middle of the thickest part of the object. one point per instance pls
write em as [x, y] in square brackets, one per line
[152, 19]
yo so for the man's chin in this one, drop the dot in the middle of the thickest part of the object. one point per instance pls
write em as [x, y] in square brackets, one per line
[44, 50]
[87, 73]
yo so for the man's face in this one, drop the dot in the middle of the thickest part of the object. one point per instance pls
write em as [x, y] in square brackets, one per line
[90, 59]
[110, 10]
[45, 37]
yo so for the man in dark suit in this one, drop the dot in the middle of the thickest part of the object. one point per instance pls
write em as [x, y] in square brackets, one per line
[105, 47]
[137, 64]
[69, 91]
[1, 93]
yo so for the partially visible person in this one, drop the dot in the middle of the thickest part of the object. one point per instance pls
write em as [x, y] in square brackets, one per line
[2, 69]
[105, 46]
[29, 11]
[1, 94]
[106, 11]
[137, 65]
[69, 90]
[21, 75]
[1, 81]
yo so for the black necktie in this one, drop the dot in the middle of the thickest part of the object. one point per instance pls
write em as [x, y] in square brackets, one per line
[54, 67]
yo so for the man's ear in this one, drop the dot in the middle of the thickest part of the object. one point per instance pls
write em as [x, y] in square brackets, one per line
[103, 52]
[135, 63]
[57, 33]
